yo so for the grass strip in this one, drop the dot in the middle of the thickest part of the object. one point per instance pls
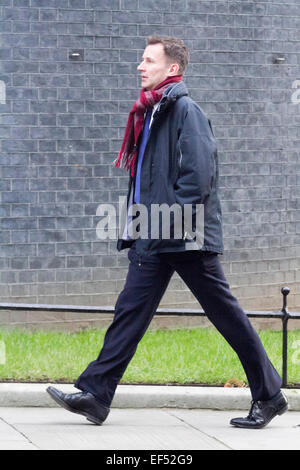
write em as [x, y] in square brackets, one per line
[182, 356]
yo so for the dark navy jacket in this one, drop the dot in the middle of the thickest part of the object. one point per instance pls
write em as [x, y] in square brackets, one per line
[180, 165]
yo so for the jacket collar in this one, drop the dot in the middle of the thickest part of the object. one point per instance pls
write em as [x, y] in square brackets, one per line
[171, 94]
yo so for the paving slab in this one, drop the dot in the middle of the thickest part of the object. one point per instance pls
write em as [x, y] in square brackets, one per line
[142, 429]
[283, 433]
[11, 438]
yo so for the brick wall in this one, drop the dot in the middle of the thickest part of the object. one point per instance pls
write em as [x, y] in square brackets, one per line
[62, 121]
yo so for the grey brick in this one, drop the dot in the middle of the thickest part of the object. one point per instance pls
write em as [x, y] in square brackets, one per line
[154, 5]
[21, 14]
[195, 6]
[147, 30]
[102, 28]
[74, 145]
[48, 107]
[21, 3]
[43, 262]
[20, 93]
[103, 5]
[22, 40]
[75, 106]
[75, 119]
[185, 19]
[78, 42]
[75, 16]
[101, 107]
[6, 54]
[15, 249]
[77, 4]
[76, 133]
[46, 145]
[48, 4]
[46, 250]
[47, 133]
[5, 27]
[46, 223]
[19, 236]
[48, 15]
[75, 235]
[103, 133]
[119, 68]
[19, 262]
[73, 248]
[8, 277]
[28, 277]
[128, 43]
[15, 145]
[129, 56]
[73, 67]
[128, 17]
[102, 55]
[18, 172]
[90, 261]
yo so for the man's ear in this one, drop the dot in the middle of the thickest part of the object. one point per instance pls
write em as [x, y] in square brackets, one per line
[174, 69]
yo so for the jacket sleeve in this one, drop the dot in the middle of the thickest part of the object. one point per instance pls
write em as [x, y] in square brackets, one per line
[196, 162]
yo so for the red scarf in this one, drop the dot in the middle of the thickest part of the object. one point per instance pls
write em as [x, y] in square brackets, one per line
[135, 123]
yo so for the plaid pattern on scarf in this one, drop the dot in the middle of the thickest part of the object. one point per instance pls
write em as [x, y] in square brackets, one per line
[135, 123]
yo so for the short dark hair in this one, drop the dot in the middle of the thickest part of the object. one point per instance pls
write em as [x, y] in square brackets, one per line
[174, 48]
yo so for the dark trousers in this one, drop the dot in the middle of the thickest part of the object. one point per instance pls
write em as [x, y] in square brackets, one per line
[146, 282]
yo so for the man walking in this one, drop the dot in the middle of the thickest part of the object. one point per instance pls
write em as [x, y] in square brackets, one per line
[170, 152]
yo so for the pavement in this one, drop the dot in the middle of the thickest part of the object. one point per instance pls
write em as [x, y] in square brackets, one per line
[143, 418]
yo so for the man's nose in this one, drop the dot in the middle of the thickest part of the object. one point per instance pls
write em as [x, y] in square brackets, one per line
[141, 66]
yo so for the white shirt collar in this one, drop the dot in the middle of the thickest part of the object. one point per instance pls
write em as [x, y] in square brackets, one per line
[153, 111]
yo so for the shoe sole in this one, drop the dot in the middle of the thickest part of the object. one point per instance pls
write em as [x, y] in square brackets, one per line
[279, 413]
[283, 410]
[63, 404]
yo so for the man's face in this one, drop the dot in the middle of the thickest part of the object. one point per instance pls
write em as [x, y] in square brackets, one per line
[155, 67]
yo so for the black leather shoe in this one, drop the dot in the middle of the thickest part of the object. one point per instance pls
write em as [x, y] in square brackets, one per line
[83, 403]
[262, 412]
